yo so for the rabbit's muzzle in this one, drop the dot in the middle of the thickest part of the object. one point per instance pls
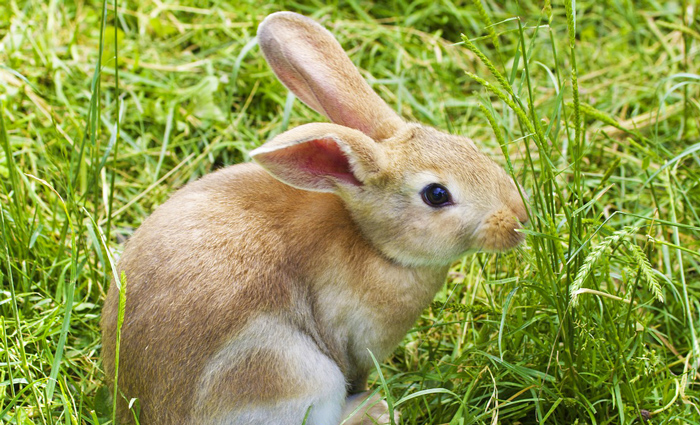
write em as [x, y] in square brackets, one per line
[499, 232]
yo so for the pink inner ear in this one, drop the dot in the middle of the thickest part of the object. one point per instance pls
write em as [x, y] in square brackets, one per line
[323, 157]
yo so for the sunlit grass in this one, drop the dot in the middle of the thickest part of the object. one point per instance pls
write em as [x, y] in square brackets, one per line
[594, 109]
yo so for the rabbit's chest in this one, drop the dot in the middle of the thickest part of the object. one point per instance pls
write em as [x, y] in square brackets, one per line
[357, 318]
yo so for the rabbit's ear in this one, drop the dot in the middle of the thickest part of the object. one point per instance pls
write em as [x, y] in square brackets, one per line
[312, 64]
[319, 157]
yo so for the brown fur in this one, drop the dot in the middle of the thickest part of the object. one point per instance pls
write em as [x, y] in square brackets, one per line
[261, 288]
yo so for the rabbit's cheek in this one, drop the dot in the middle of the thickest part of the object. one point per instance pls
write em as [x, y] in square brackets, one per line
[450, 232]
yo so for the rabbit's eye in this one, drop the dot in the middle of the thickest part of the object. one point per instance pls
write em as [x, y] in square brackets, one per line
[436, 195]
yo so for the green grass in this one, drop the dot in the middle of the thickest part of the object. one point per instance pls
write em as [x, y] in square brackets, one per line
[596, 110]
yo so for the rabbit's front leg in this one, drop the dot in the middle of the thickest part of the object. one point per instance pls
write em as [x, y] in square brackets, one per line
[375, 411]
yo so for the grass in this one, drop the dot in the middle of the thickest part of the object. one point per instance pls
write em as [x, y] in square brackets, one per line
[592, 105]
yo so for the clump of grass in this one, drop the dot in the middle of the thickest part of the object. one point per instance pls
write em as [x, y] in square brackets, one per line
[104, 111]
[639, 260]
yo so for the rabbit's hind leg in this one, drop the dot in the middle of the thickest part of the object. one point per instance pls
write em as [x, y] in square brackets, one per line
[271, 373]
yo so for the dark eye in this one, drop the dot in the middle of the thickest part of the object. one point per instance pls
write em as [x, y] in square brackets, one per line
[436, 195]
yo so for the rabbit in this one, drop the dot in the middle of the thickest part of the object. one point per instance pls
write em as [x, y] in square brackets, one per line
[256, 294]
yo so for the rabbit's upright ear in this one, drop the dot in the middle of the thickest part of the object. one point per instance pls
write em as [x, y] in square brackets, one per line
[320, 156]
[312, 64]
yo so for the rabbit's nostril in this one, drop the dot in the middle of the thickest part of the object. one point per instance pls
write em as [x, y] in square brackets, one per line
[523, 219]
[517, 203]
[521, 214]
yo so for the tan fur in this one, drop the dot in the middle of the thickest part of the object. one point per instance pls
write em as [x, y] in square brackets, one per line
[255, 293]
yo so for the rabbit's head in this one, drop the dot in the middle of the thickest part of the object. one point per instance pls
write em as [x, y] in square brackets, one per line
[422, 197]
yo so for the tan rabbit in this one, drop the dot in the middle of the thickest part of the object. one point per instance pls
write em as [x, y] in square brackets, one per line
[256, 293]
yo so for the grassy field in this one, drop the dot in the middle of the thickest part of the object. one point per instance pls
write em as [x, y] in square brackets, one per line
[593, 106]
